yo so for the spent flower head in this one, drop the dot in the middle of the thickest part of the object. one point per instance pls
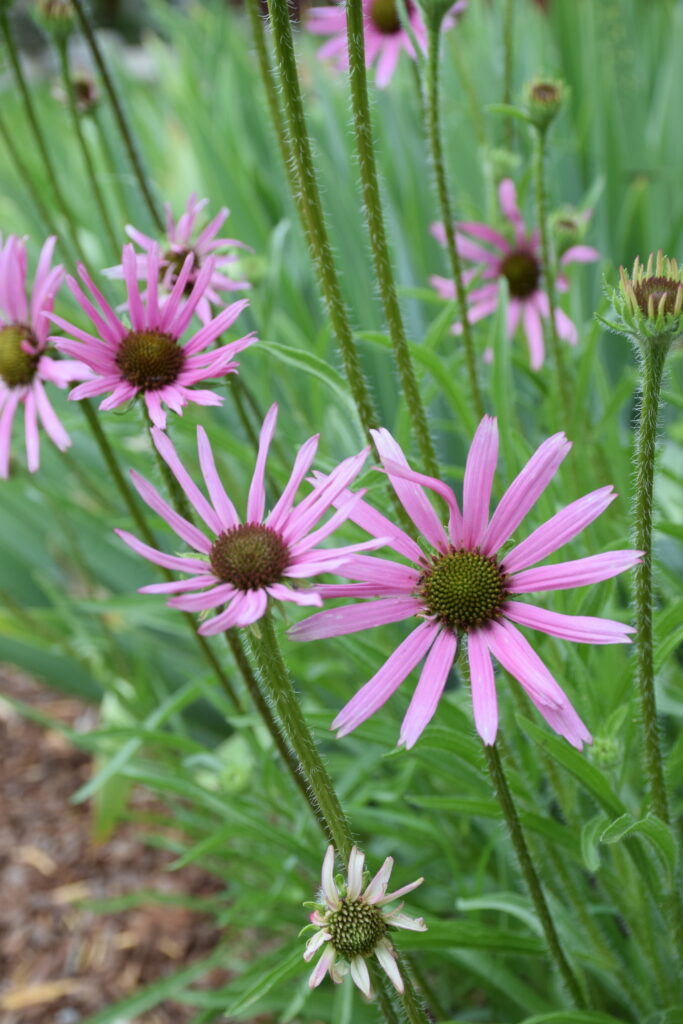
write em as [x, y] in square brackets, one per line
[648, 303]
[352, 923]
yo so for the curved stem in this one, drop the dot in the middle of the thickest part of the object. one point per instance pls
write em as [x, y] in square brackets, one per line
[121, 121]
[500, 785]
[36, 130]
[434, 130]
[85, 152]
[653, 358]
[549, 272]
[376, 230]
[307, 183]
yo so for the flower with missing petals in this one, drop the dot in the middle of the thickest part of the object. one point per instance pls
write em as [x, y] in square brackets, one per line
[240, 565]
[148, 358]
[25, 368]
[467, 585]
[353, 924]
[182, 238]
[518, 261]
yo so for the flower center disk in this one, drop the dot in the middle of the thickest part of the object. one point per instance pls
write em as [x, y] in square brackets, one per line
[384, 16]
[249, 557]
[522, 272]
[356, 928]
[463, 589]
[657, 288]
[150, 359]
[17, 367]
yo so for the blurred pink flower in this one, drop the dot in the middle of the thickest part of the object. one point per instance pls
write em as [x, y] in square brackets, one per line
[353, 925]
[179, 244]
[24, 366]
[245, 564]
[385, 37]
[519, 262]
[464, 586]
[148, 358]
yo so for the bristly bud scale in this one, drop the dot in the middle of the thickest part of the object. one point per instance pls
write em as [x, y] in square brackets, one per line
[648, 303]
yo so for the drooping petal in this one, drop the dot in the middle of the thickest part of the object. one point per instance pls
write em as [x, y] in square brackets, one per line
[385, 955]
[484, 698]
[329, 887]
[188, 531]
[193, 565]
[314, 944]
[410, 494]
[518, 657]
[429, 689]
[479, 471]
[354, 618]
[221, 502]
[583, 629]
[533, 328]
[455, 527]
[256, 501]
[577, 573]
[361, 975]
[323, 965]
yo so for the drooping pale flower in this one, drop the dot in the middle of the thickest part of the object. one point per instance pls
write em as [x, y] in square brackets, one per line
[467, 585]
[385, 36]
[519, 262]
[353, 924]
[25, 368]
[243, 564]
[148, 358]
[183, 238]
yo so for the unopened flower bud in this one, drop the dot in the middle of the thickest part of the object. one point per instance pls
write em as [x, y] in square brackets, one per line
[545, 97]
[649, 302]
[57, 17]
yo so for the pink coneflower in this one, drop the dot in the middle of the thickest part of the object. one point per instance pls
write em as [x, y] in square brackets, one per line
[353, 925]
[180, 243]
[244, 564]
[519, 262]
[24, 366]
[385, 36]
[464, 586]
[148, 358]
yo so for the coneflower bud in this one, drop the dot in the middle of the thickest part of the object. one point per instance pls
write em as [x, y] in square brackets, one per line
[57, 17]
[545, 97]
[649, 302]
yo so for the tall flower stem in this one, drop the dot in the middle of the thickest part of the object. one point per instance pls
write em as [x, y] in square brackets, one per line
[131, 504]
[377, 232]
[549, 271]
[307, 184]
[276, 682]
[500, 785]
[508, 41]
[121, 120]
[434, 131]
[653, 358]
[37, 131]
[62, 46]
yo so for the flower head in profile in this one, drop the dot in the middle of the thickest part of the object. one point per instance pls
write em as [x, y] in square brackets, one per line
[649, 301]
[25, 368]
[238, 564]
[353, 924]
[466, 586]
[385, 36]
[148, 357]
[182, 238]
[518, 261]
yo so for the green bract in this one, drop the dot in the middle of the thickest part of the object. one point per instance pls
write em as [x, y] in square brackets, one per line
[648, 304]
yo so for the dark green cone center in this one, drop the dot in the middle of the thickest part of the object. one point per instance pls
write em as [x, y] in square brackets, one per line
[17, 368]
[356, 928]
[384, 16]
[150, 359]
[463, 589]
[249, 556]
[522, 272]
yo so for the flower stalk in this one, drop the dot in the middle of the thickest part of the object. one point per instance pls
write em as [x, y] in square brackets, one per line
[377, 232]
[433, 23]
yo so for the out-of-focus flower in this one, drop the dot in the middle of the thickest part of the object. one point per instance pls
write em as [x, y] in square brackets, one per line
[244, 564]
[385, 36]
[183, 238]
[464, 586]
[519, 263]
[353, 924]
[25, 368]
[148, 358]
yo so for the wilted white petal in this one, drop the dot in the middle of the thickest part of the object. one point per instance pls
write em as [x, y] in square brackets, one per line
[385, 954]
[400, 892]
[411, 924]
[378, 886]
[314, 944]
[330, 891]
[355, 881]
[361, 975]
[321, 968]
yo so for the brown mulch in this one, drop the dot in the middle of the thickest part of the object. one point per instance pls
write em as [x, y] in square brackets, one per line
[60, 962]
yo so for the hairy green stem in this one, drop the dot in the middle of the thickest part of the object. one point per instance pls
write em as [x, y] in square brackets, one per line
[436, 148]
[62, 48]
[508, 41]
[549, 272]
[378, 239]
[500, 785]
[121, 121]
[307, 183]
[654, 355]
[37, 131]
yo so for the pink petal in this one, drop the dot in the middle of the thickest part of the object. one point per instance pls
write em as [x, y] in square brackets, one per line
[178, 586]
[381, 572]
[221, 502]
[514, 312]
[160, 558]
[31, 434]
[322, 966]
[314, 944]
[566, 328]
[187, 531]
[256, 501]
[577, 573]
[354, 882]
[354, 618]
[397, 893]
[48, 417]
[479, 471]
[411, 495]
[579, 254]
[455, 527]
[227, 619]
[376, 889]
[524, 491]
[329, 887]
[484, 698]
[302, 464]
[507, 195]
[485, 233]
[429, 689]
[204, 601]
[304, 598]
[6, 420]
[388, 59]
[518, 657]
[377, 691]
[583, 629]
[165, 447]
[533, 328]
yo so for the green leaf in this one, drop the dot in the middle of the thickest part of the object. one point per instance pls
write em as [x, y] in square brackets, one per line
[657, 833]
[289, 967]
[590, 838]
